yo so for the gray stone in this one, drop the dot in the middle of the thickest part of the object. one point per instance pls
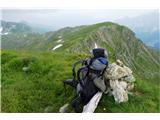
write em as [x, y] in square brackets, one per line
[130, 78]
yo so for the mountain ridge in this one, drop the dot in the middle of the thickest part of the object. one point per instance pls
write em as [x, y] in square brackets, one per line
[119, 41]
[40, 88]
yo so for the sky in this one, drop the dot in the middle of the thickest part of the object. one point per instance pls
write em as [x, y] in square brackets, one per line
[59, 18]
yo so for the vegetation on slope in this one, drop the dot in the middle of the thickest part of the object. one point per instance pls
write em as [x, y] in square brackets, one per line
[40, 89]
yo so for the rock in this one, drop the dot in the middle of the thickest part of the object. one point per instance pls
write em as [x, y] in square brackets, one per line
[64, 108]
[115, 72]
[130, 86]
[121, 80]
[25, 69]
[129, 78]
[123, 84]
[120, 63]
[127, 69]
[120, 95]
[118, 70]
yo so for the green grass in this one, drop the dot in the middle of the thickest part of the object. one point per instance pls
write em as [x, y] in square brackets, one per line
[40, 86]
[40, 89]
[145, 98]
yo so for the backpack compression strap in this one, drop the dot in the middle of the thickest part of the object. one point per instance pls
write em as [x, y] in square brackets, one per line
[79, 71]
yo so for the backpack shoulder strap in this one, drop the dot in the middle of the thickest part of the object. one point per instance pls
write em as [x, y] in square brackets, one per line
[104, 69]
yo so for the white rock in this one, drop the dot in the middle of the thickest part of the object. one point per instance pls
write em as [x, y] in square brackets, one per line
[128, 70]
[119, 93]
[120, 79]
[130, 78]
[123, 84]
[115, 72]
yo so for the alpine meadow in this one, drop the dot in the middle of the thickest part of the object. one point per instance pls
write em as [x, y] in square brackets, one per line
[34, 66]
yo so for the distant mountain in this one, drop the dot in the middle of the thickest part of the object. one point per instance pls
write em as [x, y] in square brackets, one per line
[20, 35]
[157, 46]
[14, 27]
[119, 41]
[146, 27]
[21, 27]
[41, 28]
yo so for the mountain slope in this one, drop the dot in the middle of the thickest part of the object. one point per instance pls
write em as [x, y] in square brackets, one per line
[41, 87]
[19, 36]
[14, 27]
[119, 41]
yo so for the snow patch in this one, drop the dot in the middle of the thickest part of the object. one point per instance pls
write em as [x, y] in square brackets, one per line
[59, 37]
[57, 46]
[1, 29]
[60, 40]
[5, 33]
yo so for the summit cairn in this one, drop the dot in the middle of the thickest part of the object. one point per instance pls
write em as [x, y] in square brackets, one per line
[120, 79]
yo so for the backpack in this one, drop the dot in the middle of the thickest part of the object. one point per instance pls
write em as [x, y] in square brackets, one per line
[83, 79]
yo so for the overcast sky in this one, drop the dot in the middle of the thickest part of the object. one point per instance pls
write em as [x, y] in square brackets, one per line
[61, 18]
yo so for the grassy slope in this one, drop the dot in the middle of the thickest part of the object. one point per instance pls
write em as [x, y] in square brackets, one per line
[41, 88]
[124, 46]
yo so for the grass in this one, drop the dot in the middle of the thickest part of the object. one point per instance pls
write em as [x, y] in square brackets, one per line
[40, 89]
[41, 86]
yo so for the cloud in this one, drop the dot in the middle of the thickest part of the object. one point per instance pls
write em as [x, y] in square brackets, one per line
[67, 17]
